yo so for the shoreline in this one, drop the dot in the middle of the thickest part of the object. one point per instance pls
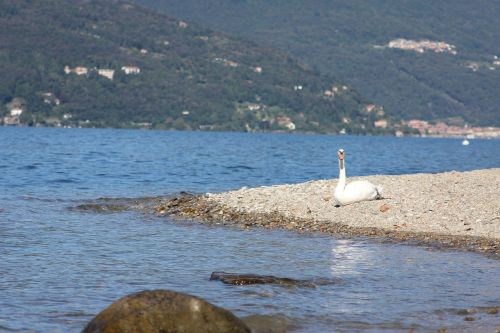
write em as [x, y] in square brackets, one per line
[285, 132]
[447, 210]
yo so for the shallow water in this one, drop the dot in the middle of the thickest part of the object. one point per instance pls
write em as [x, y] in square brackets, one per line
[61, 266]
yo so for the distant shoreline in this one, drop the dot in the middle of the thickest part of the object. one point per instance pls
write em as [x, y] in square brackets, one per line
[447, 210]
[458, 137]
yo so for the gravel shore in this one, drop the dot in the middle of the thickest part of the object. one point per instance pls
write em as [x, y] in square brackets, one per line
[452, 209]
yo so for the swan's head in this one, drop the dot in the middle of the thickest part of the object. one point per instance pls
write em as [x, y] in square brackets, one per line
[341, 154]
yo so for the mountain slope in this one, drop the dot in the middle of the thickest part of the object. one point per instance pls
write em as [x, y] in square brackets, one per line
[349, 39]
[62, 63]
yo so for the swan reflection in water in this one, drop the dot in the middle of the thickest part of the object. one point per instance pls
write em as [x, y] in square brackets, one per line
[350, 258]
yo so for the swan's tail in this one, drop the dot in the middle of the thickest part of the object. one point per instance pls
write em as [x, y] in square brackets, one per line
[379, 190]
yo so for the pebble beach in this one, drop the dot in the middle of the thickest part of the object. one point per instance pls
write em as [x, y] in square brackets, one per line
[452, 209]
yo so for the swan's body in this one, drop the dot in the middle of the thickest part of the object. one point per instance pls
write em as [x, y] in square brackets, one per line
[356, 191]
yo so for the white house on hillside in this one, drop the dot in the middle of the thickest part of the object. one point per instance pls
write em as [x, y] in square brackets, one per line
[108, 73]
[79, 70]
[131, 70]
[16, 112]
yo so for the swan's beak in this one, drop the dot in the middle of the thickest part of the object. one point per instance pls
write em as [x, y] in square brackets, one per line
[341, 154]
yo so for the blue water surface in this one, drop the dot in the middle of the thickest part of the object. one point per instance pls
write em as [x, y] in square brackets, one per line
[60, 266]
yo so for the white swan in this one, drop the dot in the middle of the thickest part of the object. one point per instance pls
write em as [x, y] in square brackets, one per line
[356, 191]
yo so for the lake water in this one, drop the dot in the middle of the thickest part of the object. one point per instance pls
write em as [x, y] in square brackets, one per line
[59, 266]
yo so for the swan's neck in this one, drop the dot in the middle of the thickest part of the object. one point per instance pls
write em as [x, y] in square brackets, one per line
[342, 175]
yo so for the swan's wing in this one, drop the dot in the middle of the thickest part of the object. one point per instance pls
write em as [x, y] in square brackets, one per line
[361, 190]
[362, 185]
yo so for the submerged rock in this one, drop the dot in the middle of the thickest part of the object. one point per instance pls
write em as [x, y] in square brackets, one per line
[116, 205]
[247, 279]
[102, 208]
[164, 311]
[269, 323]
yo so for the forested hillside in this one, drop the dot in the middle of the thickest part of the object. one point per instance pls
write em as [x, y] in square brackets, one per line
[350, 39]
[110, 63]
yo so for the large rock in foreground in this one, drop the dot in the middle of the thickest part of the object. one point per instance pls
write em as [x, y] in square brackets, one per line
[163, 311]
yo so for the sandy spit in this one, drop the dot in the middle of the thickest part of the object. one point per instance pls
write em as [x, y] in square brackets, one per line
[452, 209]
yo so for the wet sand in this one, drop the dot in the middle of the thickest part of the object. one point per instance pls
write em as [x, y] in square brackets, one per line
[452, 209]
